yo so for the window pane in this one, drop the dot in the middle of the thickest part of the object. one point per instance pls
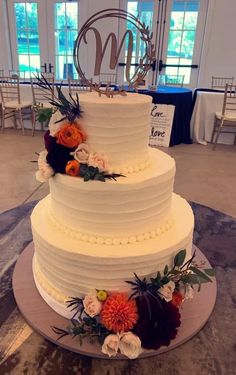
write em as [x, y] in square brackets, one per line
[187, 44]
[177, 20]
[72, 15]
[61, 47]
[60, 15]
[33, 43]
[20, 15]
[174, 43]
[22, 41]
[71, 35]
[32, 16]
[190, 21]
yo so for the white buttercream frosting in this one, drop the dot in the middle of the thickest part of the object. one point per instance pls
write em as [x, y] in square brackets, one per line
[131, 206]
[74, 267]
[117, 127]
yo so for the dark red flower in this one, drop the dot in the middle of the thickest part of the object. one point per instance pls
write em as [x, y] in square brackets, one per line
[58, 157]
[49, 141]
[158, 322]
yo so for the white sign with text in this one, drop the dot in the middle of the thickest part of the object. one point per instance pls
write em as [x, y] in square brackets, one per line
[161, 124]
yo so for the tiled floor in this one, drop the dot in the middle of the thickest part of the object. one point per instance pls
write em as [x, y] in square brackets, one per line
[203, 175]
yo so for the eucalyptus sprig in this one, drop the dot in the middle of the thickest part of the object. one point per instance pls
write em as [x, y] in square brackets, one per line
[187, 273]
[89, 172]
[83, 327]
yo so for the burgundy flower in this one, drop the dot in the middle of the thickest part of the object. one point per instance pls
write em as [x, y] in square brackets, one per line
[158, 322]
[58, 156]
[49, 141]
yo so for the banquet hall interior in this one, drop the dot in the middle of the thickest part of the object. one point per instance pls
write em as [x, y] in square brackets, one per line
[194, 72]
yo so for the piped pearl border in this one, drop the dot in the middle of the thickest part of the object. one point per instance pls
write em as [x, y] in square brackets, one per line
[131, 169]
[110, 240]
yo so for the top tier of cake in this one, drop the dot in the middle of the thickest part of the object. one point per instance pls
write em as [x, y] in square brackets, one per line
[118, 128]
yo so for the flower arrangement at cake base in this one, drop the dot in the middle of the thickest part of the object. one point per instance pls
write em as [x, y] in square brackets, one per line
[147, 318]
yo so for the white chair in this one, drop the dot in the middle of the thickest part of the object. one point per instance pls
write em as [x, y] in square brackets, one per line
[41, 97]
[12, 105]
[227, 117]
[220, 82]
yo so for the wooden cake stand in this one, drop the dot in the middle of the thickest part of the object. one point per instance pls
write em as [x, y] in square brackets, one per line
[194, 313]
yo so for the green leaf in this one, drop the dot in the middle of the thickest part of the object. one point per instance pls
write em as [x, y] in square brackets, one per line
[179, 258]
[210, 272]
[200, 273]
[166, 269]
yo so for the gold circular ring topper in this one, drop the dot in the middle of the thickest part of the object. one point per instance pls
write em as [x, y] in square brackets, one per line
[144, 62]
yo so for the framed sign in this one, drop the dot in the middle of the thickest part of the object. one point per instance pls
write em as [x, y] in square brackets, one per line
[161, 124]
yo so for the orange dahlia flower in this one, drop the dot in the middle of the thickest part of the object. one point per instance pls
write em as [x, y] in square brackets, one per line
[72, 168]
[70, 135]
[119, 314]
[177, 299]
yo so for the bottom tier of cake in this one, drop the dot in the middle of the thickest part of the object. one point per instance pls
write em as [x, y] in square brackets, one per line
[65, 267]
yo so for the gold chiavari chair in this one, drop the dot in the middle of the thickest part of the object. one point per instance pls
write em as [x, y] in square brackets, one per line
[171, 80]
[220, 82]
[76, 85]
[105, 78]
[225, 121]
[12, 105]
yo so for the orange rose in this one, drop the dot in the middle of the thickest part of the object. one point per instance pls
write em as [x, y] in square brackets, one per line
[72, 168]
[177, 299]
[70, 135]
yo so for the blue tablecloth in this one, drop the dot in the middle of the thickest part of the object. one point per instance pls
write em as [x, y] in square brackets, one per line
[181, 98]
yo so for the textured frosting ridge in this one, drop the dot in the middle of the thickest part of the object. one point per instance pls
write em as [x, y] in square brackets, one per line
[131, 206]
[74, 267]
[118, 128]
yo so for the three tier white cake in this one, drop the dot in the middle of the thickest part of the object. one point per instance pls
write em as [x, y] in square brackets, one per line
[95, 235]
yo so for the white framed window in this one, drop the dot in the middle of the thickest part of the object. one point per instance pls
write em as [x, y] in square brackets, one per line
[178, 29]
[42, 36]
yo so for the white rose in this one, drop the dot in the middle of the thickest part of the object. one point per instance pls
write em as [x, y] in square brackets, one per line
[97, 160]
[92, 306]
[130, 345]
[111, 345]
[167, 290]
[45, 170]
[187, 291]
[82, 153]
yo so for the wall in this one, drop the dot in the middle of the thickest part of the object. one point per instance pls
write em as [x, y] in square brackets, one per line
[219, 46]
[5, 58]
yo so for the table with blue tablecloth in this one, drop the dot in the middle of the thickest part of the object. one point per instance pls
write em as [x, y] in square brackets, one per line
[181, 98]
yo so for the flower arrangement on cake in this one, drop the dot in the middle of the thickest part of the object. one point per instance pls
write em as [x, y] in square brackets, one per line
[147, 318]
[66, 150]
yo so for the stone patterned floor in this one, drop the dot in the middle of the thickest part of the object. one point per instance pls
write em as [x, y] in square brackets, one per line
[211, 351]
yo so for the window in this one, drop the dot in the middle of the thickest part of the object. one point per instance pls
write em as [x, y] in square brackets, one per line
[144, 11]
[66, 30]
[43, 35]
[181, 40]
[26, 23]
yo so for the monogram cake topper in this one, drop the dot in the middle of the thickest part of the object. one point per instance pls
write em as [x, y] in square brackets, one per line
[144, 62]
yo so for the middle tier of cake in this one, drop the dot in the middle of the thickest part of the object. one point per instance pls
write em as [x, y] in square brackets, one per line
[118, 211]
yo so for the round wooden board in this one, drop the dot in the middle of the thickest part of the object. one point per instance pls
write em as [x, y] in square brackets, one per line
[194, 314]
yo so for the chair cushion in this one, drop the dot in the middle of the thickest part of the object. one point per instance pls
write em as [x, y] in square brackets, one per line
[229, 116]
[15, 105]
